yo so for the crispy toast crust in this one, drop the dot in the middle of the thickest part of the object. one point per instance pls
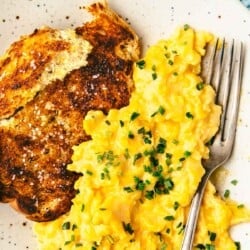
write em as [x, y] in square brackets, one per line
[36, 145]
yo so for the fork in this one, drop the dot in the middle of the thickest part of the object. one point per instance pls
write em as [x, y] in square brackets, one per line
[222, 66]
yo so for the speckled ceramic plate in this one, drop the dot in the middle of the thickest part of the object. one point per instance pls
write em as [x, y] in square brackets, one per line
[152, 20]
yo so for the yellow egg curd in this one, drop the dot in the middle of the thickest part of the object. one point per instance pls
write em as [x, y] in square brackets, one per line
[143, 164]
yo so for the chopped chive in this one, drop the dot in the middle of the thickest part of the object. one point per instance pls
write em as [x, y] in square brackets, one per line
[108, 122]
[141, 130]
[139, 184]
[155, 113]
[169, 184]
[164, 246]
[182, 159]
[148, 169]
[131, 135]
[161, 146]
[179, 168]
[141, 64]
[200, 246]
[168, 159]
[169, 218]
[210, 247]
[226, 193]
[158, 171]
[179, 225]
[186, 27]
[149, 152]
[189, 115]
[154, 76]
[168, 155]
[149, 194]
[200, 85]
[79, 244]
[126, 154]
[163, 186]
[128, 189]
[121, 123]
[234, 182]
[212, 236]
[137, 157]
[89, 172]
[66, 225]
[241, 206]
[127, 227]
[161, 110]
[170, 62]
[176, 142]
[67, 242]
[187, 154]
[147, 140]
[82, 208]
[108, 158]
[167, 55]
[159, 235]
[153, 161]
[133, 116]
[176, 205]
[170, 170]
[105, 174]
[182, 229]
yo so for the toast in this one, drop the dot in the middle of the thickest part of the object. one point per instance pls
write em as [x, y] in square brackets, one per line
[43, 101]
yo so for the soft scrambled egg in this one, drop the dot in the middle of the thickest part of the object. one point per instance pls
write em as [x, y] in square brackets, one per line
[143, 164]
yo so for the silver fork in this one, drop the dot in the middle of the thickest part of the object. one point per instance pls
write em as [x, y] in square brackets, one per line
[222, 67]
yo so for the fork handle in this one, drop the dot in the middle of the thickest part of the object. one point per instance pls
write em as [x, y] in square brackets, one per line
[190, 227]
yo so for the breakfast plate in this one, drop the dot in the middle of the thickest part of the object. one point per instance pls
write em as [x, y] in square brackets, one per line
[152, 20]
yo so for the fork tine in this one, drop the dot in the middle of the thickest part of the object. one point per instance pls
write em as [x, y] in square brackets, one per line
[217, 66]
[225, 84]
[208, 62]
[234, 98]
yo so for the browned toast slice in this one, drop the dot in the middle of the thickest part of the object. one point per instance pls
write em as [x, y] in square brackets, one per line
[41, 117]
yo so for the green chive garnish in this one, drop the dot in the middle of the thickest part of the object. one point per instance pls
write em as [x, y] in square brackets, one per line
[66, 225]
[169, 218]
[141, 64]
[127, 227]
[234, 182]
[200, 86]
[133, 116]
[226, 193]
[186, 27]
[189, 115]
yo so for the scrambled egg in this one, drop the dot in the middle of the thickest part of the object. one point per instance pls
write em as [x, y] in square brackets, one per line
[143, 164]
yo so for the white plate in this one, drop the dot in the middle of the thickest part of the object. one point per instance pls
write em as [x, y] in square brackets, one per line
[152, 20]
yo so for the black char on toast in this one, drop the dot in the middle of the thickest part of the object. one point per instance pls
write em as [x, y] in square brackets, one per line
[47, 85]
